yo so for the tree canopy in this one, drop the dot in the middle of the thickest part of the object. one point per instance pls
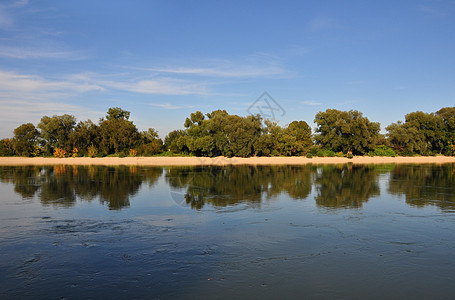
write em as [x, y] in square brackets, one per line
[342, 133]
[346, 131]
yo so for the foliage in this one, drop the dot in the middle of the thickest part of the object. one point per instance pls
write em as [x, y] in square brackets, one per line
[56, 132]
[132, 153]
[325, 153]
[219, 134]
[175, 141]
[75, 152]
[346, 131]
[151, 144]
[117, 135]
[60, 153]
[6, 147]
[382, 150]
[338, 133]
[422, 133]
[116, 113]
[84, 135]
[92, 151]
[25, 138]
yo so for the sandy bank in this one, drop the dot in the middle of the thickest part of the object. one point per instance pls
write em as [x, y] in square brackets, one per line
[219, 161]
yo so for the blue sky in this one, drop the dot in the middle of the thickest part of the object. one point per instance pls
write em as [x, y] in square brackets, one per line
[162, 60]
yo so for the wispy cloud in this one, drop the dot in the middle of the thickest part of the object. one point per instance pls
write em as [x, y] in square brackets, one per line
[322, 24]
[247, 71]
[5, 20]
[22, 85]
[160, 86]
[171, 106]
[433, 11]
[14, 113]
[37, 53]
[312, 103]
[18, 3]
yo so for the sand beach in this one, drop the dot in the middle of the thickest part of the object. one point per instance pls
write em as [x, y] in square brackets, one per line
[221, 161]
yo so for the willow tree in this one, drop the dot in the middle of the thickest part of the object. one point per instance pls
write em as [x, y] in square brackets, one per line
[56, 132]
[421, 133]
[117, 133]
[346, 131]
[25, 138]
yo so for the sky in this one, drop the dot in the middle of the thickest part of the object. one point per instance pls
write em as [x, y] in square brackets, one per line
[163, 60]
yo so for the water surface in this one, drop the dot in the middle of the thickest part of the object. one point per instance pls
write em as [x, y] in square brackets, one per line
[335, 231]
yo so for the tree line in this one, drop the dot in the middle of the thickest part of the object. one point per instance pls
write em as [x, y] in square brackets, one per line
[337, 133]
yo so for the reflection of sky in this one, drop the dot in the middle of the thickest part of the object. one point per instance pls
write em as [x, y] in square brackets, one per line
[284, 246]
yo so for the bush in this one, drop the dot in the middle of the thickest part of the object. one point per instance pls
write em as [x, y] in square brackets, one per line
[75, 152]
[309, 155]
[92, 151]
[350, 155]
[326, 153]
[314, 151]
[132, 152]
[382, 151]
[60, 153]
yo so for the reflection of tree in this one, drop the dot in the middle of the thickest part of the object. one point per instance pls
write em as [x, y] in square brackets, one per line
[345, 185]
[61, 185]
[25, 179]
[224, 186]
[425, 185]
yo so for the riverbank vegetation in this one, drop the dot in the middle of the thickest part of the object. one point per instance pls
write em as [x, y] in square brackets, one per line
[337, 133]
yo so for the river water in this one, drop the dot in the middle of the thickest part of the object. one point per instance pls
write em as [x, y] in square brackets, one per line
[314, 232]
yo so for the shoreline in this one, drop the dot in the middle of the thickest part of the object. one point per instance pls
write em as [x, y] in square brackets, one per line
[221, 161]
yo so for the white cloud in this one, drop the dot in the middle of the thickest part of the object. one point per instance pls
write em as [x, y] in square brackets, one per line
[159, 85]
[26, 98]
[30, 53]
[248, 71]
[171, 106]
[17, 112]
[23, 85]
[321, 24]
[19, 3]
[311, 103]
[5, 20]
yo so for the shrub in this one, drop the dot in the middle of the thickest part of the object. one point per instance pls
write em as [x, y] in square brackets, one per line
[382, 151]
[309, 155]
[133, 152]
[325, 153]
[60, 153]
[92, 151]
[75, 151]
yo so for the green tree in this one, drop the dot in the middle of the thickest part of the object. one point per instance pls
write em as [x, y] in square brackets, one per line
[6, 147]
[116, 113]
[151, 143]
[421, 133]
[25, 138]
[346, 131]
[297, 138]
[56, 132]
[85, 134]
[175, 141]
[448, 116]
[117, 134]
